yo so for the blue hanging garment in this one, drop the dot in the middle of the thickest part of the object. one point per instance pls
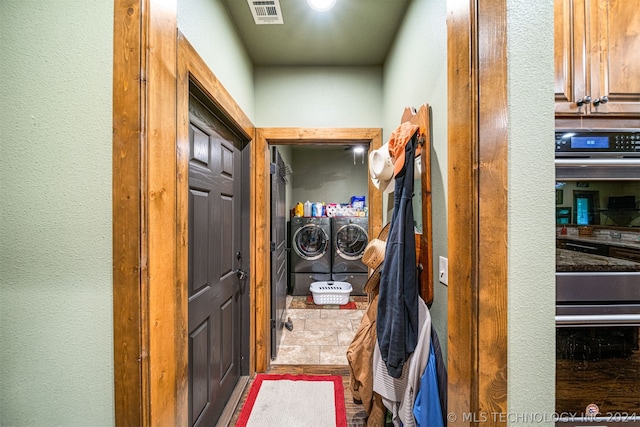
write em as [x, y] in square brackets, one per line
[427, 407]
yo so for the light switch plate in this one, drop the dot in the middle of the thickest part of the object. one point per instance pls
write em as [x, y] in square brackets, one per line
[443, 270]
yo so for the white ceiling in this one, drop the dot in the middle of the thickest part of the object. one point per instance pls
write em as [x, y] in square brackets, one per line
[354, 32]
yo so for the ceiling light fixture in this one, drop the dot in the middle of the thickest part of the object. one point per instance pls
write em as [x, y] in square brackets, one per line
[358, 150]
[321, 5]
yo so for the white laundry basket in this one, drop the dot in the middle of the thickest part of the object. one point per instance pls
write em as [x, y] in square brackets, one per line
[331, 292]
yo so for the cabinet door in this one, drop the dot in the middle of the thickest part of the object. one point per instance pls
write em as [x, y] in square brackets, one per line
[570, 55]
[614, 55]
[624, 253]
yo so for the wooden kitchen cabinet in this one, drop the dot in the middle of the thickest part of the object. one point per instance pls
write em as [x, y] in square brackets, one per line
[624, 253]
[597, 57]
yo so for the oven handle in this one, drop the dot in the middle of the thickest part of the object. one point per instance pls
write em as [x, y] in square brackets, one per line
[596, 162]
[575, 245]
[598, 320]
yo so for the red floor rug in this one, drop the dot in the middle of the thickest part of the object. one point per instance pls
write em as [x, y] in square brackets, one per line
[356, 302]
[285, 400]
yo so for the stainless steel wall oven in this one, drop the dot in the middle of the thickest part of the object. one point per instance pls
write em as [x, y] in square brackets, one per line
[598, 277]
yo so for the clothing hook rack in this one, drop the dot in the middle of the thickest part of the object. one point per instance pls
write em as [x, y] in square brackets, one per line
[422, 118]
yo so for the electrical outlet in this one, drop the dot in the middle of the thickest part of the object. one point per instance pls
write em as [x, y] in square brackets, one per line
[443, 270]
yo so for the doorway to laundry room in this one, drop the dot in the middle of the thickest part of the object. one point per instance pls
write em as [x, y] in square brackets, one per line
[326, 189]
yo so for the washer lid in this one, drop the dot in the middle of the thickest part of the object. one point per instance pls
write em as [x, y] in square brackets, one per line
[310, 242]
[351, 240]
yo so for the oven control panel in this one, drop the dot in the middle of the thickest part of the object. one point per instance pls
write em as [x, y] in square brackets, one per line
[598, 142]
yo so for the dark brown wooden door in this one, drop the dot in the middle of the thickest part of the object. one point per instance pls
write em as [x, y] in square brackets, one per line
[215, 170]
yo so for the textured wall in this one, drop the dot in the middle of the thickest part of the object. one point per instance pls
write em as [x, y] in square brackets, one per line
[318, 97]
[416, 73]
[531, 299]
[327, 175]
[56, 351]
[206, 25]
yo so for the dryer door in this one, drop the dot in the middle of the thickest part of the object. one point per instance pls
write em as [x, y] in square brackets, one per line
[310, 242]
[351, 240]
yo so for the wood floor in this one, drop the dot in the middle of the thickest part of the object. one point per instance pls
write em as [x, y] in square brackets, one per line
[355, 412]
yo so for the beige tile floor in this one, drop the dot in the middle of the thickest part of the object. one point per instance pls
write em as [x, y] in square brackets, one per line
[319, 336]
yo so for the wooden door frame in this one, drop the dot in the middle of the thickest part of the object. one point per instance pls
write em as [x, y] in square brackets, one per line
[290, 136]
[477, 196]
[150, 379]
[149, 246]
[153, 67]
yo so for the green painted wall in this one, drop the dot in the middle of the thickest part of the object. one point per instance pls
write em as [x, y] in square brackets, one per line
[56, 321]
[415, 73]
[318, 96]
[55, 185]
[327, 174]
[531, 257]
[207, 27]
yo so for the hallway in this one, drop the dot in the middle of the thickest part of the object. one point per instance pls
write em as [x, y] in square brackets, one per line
[355, 413]
[317, 345]
[320, 336]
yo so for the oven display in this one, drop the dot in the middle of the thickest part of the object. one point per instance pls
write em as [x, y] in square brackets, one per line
[598, 143]
[589, 142]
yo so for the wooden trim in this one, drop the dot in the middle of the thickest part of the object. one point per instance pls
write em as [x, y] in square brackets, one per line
[477, 195]
[193, 70]
[148, 225]
[129, 335]
[150, 209]
[424, 242]
[592, 122]
[462, 232]
[201, 75]
[144, 199]
[263, 137]
[182, 229]
[493, 159]
[159, 196]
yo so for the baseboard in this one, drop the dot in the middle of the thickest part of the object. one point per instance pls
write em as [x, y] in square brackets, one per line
[232, 403]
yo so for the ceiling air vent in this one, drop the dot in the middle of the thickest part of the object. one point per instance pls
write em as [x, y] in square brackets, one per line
[266, 11]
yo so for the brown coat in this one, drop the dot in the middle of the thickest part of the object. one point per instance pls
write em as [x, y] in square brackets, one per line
[360, 358]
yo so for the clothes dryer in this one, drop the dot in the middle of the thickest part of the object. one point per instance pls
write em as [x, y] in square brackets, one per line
[350, 237]
[311, 252]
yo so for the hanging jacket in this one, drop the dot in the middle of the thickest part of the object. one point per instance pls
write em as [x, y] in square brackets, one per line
[398, 394]
[397, 322]
[359, 357]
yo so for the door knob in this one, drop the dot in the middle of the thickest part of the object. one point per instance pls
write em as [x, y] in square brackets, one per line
[586, 100]
[602, 100]
[241, 274]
